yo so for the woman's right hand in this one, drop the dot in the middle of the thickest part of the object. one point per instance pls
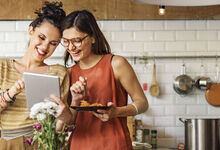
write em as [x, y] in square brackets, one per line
[17, 88]
[78, 91]
[64, 114]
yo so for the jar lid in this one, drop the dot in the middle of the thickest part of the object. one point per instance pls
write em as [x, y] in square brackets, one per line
[138, 122]
[146, 131]
[153, 131]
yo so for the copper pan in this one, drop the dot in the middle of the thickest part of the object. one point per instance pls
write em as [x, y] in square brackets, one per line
[213, 94]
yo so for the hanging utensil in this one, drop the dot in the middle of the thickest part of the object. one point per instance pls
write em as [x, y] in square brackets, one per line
[183, 84]
[217, 71]
[212, 95]
[154, 88]
[202, 82]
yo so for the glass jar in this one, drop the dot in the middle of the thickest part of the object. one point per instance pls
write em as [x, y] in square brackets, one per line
[146, 138]
[154, 138]
[139, 133]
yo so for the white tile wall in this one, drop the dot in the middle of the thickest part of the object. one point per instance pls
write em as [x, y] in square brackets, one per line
[214, 45]
[7, 26]
[196, 25]
[15, 37]
[175, 25]
[164, 36]
[213, 25]
[131, 25]
[122, 36]
[154, 38]
[185, 35]
[143, 36]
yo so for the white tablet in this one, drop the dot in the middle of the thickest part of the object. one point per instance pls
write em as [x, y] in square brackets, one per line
[40, 86]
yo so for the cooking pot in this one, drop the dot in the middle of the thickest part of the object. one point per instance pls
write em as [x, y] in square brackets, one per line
[203, 83]
[201, 133]
[183, 84]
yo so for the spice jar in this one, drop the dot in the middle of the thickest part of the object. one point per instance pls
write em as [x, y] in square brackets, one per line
[146, 138]
[154, 138]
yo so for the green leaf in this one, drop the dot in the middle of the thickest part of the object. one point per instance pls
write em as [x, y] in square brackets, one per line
[48, 138]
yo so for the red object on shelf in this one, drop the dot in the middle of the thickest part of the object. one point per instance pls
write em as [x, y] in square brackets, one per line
[145, 86]
[181, 146]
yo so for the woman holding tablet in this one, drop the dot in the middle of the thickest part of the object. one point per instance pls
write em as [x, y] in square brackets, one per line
[44, 36]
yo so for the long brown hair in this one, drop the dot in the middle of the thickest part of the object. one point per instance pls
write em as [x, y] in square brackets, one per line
[85, 22]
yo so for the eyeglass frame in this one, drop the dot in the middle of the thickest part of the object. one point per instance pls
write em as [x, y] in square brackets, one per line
[72, 41]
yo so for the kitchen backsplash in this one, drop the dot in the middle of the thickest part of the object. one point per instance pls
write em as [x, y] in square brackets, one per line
[150, 38]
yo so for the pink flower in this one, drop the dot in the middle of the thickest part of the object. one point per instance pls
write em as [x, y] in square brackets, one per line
[37, 126]
[69, 129]
[29, 141]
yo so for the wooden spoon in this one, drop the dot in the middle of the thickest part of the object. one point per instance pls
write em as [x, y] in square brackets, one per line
[154, 88]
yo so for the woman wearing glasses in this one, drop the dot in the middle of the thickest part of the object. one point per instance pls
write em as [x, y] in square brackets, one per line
[98, 77]
[44, 34]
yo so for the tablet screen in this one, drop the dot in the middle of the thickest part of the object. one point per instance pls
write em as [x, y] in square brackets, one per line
[40, 86]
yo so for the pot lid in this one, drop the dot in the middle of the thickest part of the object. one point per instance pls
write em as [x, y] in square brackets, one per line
[200, 117]
[180, 2]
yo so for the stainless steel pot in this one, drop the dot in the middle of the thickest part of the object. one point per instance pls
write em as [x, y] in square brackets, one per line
[183, 84]
[203, 83]
[201, 134]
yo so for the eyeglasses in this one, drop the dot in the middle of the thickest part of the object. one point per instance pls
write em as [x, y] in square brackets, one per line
[77, 42]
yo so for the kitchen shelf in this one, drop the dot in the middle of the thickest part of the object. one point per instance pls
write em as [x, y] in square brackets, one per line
[170, 57]
[138, 57]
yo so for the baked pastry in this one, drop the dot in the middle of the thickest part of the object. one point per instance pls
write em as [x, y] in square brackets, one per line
[84, 103]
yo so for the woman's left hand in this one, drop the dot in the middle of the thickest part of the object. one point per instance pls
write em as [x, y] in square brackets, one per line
[106, 115]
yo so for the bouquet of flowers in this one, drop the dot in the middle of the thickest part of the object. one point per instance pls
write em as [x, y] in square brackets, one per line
[45, 131]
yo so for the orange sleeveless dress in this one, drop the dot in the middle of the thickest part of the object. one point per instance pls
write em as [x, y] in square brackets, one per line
[90, 132]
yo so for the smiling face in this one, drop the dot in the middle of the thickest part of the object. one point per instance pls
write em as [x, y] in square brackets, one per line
[81, 52]
[43, 41]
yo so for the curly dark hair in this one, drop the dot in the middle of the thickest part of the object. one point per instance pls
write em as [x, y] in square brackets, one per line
[51, 12]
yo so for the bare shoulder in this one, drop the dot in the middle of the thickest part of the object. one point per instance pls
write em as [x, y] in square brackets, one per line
[118, 62]
[120, 66]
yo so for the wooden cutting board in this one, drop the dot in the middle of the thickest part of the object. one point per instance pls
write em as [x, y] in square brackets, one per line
[213, 94]
[131, 127]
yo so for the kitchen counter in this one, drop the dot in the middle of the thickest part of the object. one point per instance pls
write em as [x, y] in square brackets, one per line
[145, 146]
[162, 149]
[141, 148]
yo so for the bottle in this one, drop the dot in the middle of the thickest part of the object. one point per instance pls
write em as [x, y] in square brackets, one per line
[146, 136]
[154, 138]
[139, 131]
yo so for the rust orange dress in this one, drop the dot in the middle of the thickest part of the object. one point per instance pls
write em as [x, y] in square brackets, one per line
[90, 132]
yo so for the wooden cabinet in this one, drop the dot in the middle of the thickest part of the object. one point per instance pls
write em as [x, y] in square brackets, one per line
[108, 10]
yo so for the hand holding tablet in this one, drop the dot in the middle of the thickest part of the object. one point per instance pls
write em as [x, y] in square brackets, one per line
[40, 86]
